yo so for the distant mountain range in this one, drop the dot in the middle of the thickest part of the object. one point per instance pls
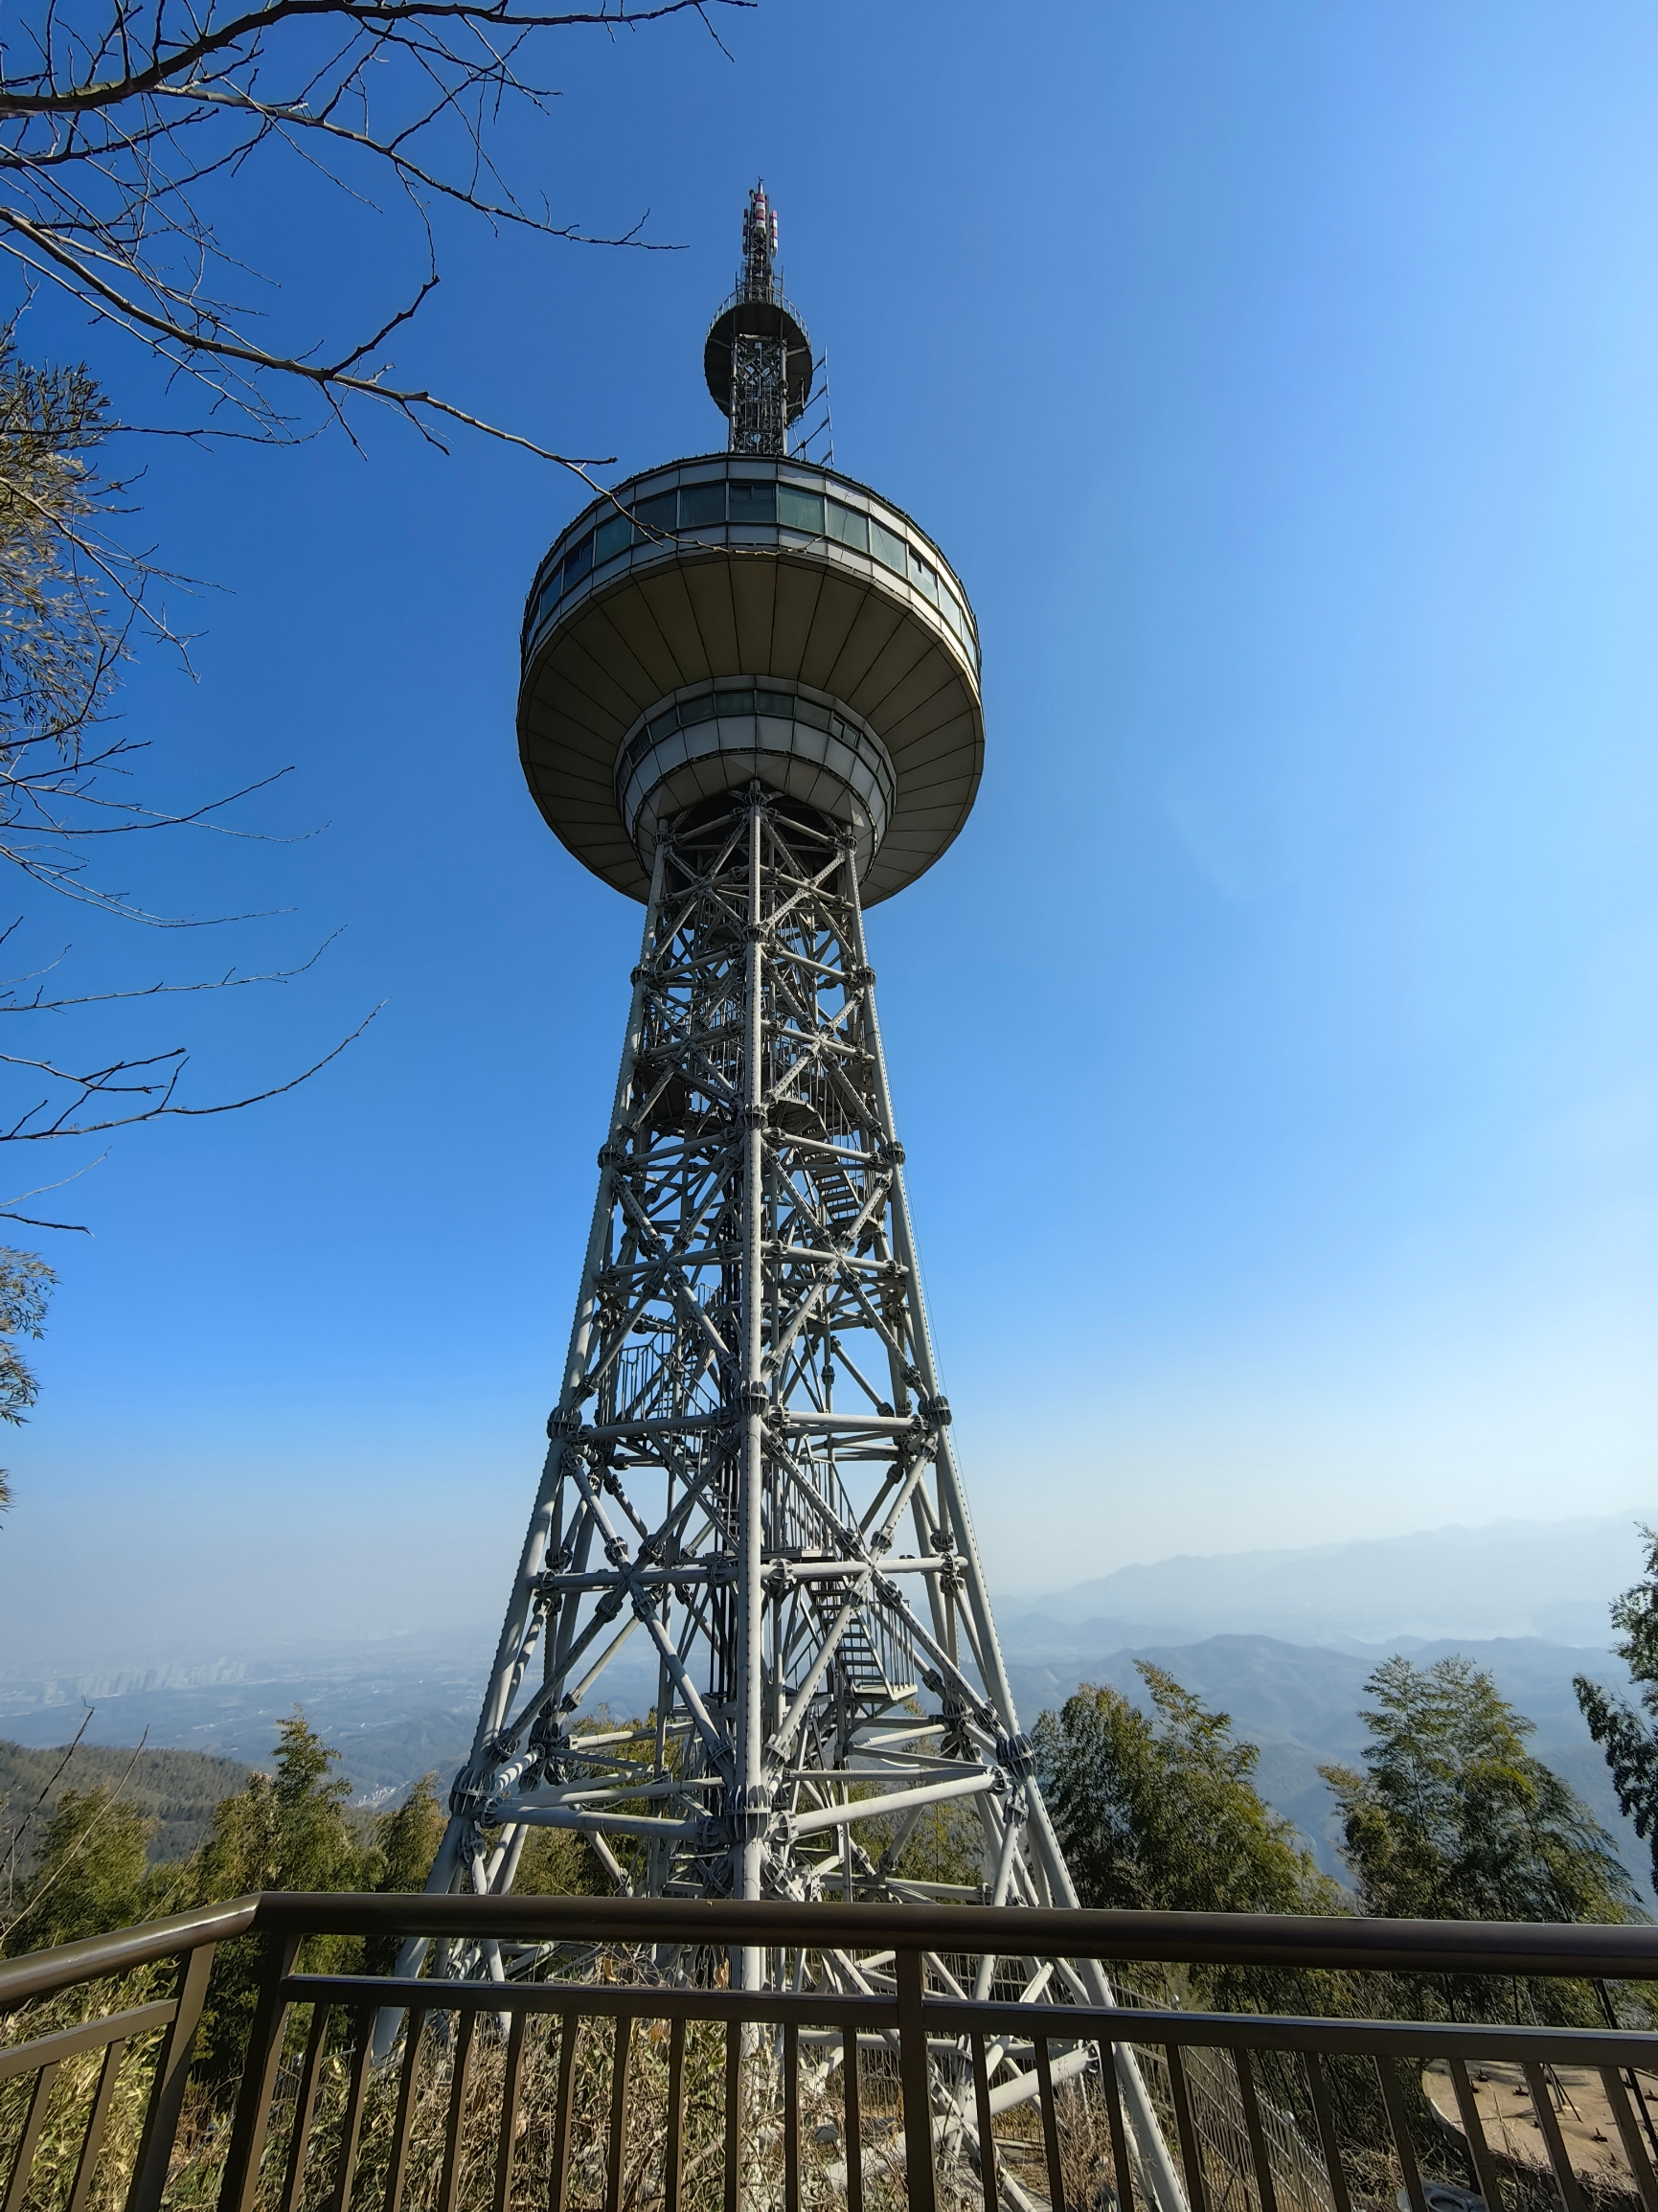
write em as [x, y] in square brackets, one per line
[1282, 1640]
[395, 1718]
[1551, 1579]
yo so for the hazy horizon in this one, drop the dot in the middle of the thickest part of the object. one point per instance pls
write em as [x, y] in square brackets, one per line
[1574, 1566]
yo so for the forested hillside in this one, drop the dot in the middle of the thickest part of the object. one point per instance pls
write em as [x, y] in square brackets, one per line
[178, 1788]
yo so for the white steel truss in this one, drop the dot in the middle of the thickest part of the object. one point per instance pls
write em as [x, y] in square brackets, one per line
[751, 1464]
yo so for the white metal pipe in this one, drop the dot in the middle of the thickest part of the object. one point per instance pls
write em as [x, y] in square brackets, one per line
[896, 1801]
[508, 1666]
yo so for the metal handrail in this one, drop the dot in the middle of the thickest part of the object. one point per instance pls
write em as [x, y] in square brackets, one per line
[1277, 1942]
[65, 1965]
[189, 1938]
[959, 2066]
[1282, 1941]
[953, 2018]
[745, 296]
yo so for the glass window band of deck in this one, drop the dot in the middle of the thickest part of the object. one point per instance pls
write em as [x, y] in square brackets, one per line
[863, 763]
[779, 701]
[739, 500]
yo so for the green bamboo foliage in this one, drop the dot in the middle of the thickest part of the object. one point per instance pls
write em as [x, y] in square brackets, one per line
[1629, 1739]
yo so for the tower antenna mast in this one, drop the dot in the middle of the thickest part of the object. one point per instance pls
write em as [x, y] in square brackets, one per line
[757, 356]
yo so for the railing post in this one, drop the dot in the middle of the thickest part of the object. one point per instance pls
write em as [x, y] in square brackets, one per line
[854, 2128]
[167, 2090]
[734, 2143]
[23, 2159]
[265, 2049]
[920, 2187]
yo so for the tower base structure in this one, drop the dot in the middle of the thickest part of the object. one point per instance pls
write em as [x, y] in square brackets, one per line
[751, 1470]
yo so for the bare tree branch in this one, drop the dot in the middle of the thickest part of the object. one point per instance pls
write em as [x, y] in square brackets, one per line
[133, 136]
[78, 1851]
[40, 93]
[229, 980]
[39, 1123]
[18, 1833]
[114, 118]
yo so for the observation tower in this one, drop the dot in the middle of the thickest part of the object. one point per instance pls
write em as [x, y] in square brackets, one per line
[750, 701]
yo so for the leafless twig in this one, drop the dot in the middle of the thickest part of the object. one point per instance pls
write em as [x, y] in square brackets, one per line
[153, 1077]
[122, 129]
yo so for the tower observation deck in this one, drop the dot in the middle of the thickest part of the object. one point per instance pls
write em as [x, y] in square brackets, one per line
[736, 617]
[750, 701]
[751, 617]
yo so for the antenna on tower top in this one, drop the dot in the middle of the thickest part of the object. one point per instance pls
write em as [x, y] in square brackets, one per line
[755, 279]
[757, 356]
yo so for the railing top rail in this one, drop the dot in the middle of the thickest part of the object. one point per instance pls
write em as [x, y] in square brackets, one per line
[94, 1956]
[1623, 1952]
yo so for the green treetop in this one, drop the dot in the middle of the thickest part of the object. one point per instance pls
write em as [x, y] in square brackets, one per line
[1629, 1740]
[89, 1874]
[1162, 1811]
[287, 1830]
[1454, 1818]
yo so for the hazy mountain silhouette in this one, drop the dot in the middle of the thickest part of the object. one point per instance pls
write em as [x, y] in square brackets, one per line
[1552, 1579]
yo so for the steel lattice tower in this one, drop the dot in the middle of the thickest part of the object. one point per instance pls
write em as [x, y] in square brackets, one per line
[751, 699]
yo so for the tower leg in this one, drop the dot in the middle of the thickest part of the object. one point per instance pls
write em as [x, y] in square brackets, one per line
[752, 1794]
[1148, 2135]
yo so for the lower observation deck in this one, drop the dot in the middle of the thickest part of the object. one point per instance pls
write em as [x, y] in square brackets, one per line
[730, 567]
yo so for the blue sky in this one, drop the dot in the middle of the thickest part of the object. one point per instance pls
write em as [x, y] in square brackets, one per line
[1275, 1049]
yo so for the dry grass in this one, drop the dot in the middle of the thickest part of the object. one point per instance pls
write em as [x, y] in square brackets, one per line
[73, 2089]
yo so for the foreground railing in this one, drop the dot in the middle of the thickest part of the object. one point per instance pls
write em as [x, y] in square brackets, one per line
[585, 2053]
